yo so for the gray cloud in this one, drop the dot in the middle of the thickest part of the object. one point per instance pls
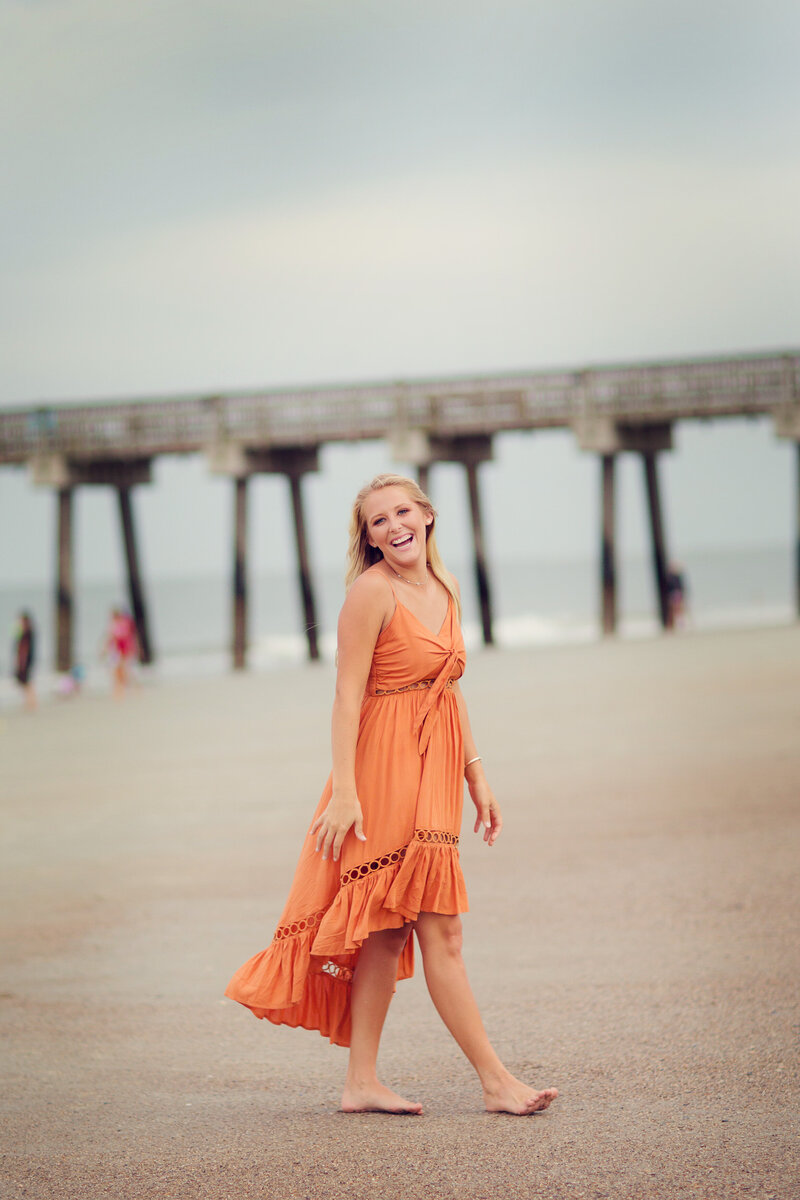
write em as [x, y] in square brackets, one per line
[204, 195]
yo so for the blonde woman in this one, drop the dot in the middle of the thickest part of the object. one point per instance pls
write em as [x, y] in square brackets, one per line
[381, 859]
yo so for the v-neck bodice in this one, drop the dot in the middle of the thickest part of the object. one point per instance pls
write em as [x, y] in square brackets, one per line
[407, 651]
[419, 620]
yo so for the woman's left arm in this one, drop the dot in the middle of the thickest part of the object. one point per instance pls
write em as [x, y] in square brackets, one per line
[488, 810]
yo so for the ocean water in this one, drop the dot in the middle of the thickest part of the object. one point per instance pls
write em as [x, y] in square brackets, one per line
[537, 602]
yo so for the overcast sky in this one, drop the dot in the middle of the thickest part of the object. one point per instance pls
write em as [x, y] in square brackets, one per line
[202, 195]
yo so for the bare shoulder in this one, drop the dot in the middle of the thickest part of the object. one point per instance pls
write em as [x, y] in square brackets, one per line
[369, 602]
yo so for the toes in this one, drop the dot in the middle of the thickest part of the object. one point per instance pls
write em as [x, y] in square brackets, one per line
[542, 1100]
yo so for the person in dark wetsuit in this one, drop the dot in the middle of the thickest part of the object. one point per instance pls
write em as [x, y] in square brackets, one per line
[24, 658]
[676, 596]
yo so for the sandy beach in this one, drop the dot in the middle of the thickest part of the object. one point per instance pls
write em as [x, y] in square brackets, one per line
[632, 940]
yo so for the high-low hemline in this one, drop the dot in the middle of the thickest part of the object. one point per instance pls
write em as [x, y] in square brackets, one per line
[303, 978]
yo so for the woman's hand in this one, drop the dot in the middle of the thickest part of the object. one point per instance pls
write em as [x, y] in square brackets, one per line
[342, 814]
[489, 818]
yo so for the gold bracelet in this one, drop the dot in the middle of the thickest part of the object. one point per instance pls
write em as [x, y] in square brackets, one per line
[477, 758]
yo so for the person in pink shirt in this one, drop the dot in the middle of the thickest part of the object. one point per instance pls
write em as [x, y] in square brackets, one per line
[120, 649]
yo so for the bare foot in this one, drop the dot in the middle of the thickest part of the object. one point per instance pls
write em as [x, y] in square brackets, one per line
[510, 1095]
[376, 1098]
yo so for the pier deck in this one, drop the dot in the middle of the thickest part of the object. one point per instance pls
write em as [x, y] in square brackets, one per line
[451, 407]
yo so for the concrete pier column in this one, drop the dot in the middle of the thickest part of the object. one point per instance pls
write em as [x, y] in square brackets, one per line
[608, 568]
[797, 535]
[607, 438]
[481, 574]
[787, 425]
[231, 458]
[303, 572]
[412, 446]
[657, 535]
[64, 605]
[239, 639]
[470, 451]
[64, 475]
[135, 590]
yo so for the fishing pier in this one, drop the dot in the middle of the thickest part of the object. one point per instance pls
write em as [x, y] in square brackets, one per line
[611, 410]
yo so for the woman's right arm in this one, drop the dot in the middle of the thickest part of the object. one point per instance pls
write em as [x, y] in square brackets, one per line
[363, 615]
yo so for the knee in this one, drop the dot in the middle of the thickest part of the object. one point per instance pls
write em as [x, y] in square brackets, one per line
[445, 935]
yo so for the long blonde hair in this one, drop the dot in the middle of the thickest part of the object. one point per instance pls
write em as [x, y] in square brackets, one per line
[361, 556]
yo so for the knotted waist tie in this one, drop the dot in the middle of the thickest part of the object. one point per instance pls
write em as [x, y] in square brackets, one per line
[428, 714]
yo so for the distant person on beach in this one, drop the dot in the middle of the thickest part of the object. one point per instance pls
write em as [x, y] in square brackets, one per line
[25, 657]
[676, 596]
[380, 864]
[120, 647]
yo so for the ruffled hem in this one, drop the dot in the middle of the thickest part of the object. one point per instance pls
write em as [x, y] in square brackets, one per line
[323, 1002]
[304, 979]
[286, 985]
[429, 879]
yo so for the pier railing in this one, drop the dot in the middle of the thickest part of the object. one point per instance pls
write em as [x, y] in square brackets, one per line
[650, 393]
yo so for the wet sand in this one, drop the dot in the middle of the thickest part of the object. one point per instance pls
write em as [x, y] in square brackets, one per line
[633, 939]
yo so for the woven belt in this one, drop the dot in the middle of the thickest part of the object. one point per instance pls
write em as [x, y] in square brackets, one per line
[419, 686]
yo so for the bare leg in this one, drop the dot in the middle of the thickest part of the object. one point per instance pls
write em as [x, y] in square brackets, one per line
[373, 988]
[440, 940]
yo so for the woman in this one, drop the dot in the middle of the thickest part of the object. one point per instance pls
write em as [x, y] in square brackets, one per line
[381, 858]
[24, 658]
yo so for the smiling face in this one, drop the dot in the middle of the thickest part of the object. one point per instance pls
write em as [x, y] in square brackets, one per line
[396, 525]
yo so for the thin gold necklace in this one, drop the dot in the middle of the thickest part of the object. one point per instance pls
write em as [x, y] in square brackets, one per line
[413, 582]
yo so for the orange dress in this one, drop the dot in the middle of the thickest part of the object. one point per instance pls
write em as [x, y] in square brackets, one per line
[410, 782]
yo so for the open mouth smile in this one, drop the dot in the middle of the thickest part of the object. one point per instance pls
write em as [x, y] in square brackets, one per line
[406, 540]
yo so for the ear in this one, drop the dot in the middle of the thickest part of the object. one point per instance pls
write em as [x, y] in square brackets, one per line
[429, 518]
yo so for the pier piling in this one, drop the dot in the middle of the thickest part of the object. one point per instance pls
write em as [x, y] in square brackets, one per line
[470, 452]
[786, 418]
[232, 458]
[239, 646]
[656, 534]
[481, 574]
[303, 572]
[608, 566]
[797, 535]
[608, 438]
[64, 606]
[135, 590]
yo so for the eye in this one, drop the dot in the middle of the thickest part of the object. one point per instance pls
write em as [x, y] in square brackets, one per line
[377, 521]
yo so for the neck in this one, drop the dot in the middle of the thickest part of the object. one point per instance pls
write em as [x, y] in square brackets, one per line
[413, 575]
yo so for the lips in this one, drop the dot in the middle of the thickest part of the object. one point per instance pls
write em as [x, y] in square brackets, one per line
[405, 541]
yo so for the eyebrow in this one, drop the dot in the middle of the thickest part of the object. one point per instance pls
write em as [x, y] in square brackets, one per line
[382, 513]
